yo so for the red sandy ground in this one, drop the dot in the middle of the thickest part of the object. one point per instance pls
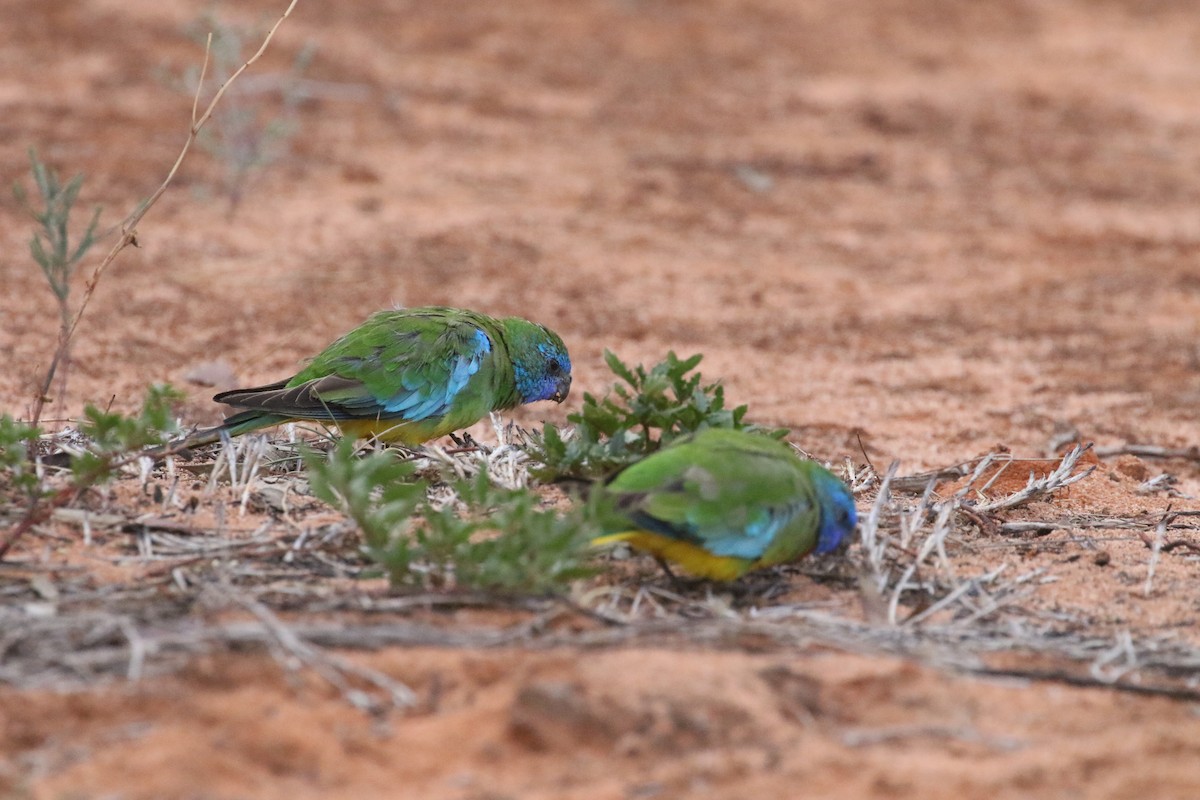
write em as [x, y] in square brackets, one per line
[937, 225]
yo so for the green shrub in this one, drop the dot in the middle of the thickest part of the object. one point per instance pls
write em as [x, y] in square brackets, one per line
[642, 411]
[119, 438]
[501, 540]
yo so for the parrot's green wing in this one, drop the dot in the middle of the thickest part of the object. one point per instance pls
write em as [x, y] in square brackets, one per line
[727, 492]
[398, 365]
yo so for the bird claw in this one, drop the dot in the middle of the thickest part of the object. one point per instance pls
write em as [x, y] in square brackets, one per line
[466, 444]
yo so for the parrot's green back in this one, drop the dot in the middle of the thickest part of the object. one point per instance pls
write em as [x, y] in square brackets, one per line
[432, 366]
[410, 375]
[723, 502]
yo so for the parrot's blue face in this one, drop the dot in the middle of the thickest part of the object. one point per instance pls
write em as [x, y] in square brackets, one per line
[544, 371]
[838, 514]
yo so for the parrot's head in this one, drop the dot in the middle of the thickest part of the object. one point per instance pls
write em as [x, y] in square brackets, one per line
[838, 514]
[541, 366]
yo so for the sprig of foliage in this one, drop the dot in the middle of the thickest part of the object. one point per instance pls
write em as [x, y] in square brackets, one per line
[491, 539]
[506, 540]
[50, 246]
[117, 438]
[16, 466]
[642, 411]
[380, 493]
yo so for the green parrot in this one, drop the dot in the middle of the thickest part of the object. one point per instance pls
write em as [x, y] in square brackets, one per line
[409, 375]
[722, 502]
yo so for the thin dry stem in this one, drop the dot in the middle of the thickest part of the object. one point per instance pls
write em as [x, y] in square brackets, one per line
[129, 225]
[333, 668]
[1160, 534]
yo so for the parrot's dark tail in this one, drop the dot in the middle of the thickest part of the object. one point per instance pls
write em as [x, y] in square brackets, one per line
[236, 425]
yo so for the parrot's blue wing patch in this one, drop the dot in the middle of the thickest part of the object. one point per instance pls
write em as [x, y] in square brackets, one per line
[423, 398]
[750, 541]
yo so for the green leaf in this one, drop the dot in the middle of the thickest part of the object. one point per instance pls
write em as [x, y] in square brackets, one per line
[16, 468]
[618, 367]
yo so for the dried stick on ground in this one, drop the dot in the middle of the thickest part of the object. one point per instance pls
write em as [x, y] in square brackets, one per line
[333, 668]
[1160, 533]
[1150, 451]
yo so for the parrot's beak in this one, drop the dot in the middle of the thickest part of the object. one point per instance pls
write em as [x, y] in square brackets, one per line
[561, 389]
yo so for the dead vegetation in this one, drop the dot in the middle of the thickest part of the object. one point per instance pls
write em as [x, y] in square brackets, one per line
[296, 584]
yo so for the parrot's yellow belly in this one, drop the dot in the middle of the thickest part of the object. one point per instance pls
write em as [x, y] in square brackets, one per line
[693, 558]
[395, 431]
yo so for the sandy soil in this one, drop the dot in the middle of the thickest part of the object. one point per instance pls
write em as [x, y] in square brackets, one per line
[932, 226]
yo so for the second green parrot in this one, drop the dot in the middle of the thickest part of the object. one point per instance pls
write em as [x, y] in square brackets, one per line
[721, 503]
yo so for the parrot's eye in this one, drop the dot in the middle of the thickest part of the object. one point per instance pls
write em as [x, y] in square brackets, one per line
[554, 368]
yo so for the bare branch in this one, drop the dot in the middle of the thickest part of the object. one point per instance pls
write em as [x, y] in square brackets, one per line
[129, 225]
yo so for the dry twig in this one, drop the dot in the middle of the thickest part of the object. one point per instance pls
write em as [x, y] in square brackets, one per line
[40, 508]
[1150, 451]
[333, 668]
[129, 225]
[1037, 488]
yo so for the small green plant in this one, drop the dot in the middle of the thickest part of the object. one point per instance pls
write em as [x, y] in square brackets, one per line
[16, 467]
[379, 492]
[506, 540]
[501, 540]
[644, 410]
[117, 439]
[245, 136]
[51, 247]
